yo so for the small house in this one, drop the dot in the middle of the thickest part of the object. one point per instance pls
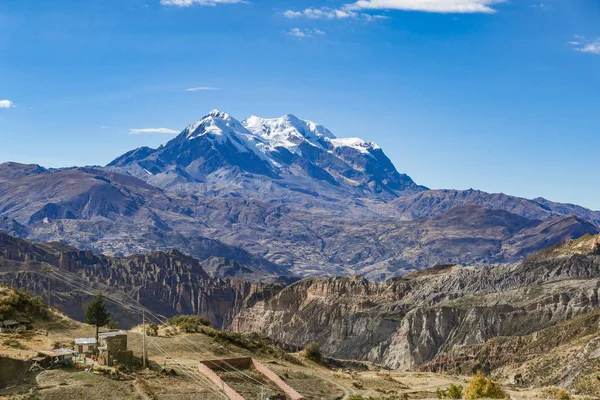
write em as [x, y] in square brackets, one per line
[113, 341]
[86, 345]
[54, 358]
[113, 348]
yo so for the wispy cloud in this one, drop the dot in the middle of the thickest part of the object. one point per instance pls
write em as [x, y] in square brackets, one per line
[328, 13]
[584, 45]
[6, 104]
[357, 9]
[435, 6]
[543, 6]
[153, 130]
[201, 88]
[188, 3]
[304, 33]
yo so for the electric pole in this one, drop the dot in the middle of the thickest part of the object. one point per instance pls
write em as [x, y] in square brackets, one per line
[262, 393]
[49, 288]
[144, 340]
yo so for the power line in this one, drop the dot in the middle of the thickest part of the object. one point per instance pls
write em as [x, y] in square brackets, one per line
[163, 321]
[185, 369]
[137, 307]
[188, 371]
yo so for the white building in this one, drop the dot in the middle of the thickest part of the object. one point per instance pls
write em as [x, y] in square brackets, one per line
[85, 345]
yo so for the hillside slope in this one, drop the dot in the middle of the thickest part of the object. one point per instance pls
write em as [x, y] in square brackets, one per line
[167, 283]
[406, 322]
[119, 215]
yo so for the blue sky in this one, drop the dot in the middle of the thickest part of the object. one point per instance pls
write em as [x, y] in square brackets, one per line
[502, 96]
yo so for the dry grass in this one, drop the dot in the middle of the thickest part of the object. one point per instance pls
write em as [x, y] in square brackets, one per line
[314, 381]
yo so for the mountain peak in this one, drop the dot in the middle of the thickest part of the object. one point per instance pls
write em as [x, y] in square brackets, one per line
[218, 114]
[215, 123]
[286, 148]
[288, 131]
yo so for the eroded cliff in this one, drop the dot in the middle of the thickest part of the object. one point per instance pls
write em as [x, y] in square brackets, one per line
[406, 322]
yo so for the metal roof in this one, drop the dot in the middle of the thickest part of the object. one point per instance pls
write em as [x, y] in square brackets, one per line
[10, 322]
[86, 340]
[111, 334]
[57, 352]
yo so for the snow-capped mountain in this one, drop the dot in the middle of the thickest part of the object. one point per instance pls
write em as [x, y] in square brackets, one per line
[267, 155]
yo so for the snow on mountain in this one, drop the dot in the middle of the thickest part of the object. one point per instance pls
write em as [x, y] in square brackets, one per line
[221, 127]
[286, 152]
[355, 143]
[288, 131]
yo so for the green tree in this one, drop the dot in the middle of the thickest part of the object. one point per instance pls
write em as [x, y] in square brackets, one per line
[96, 313]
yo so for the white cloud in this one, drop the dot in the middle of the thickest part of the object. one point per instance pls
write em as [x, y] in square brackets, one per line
[201, 88]
[435, 6]
[330, 13]
[586, 46]
[593, 48]
[152, 130]
[188, 3]
[292, 14]
[304, 33]
[543, 6]
[355, 10]
[6, 104]
[321, 13]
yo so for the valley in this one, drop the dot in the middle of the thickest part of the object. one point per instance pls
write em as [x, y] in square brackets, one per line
[447, 319]
[277, 231]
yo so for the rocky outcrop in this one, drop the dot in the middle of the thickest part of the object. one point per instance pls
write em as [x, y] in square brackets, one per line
[537, 359]
[167, 283]
[407, 322]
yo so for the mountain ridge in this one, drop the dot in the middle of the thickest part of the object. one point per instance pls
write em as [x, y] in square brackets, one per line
[285, 149]
[409, 321]
[283, 197]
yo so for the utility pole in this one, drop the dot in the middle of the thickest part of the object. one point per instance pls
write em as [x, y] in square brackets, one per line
[262, 393]
[49, 288]
[144, 340]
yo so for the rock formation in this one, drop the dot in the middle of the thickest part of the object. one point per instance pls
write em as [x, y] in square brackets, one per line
[406, 322]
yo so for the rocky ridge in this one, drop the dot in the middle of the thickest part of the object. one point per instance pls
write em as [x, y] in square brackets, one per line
[168, 283]
[116, 214]
[407, 322]
[282, 196]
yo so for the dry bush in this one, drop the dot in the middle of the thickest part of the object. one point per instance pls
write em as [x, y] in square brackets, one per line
[482, 387]
[453, 392]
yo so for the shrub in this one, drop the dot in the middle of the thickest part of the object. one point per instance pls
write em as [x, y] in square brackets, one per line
[556, 393]
[562, 394]
[152, 330]
[15, 344]
[112, 325]
[587, 386]
[358, 384]
[313, 352]
[481, 387]
[188, 323]
[453, 392]
[15, 302]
